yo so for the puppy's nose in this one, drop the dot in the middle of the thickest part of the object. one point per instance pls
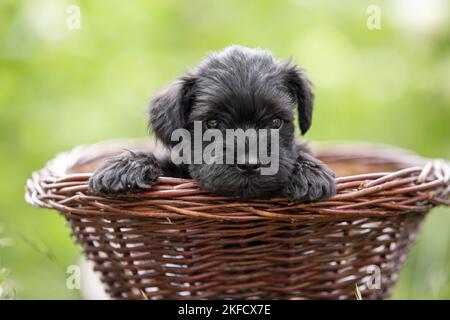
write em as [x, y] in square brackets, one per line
[249, 168]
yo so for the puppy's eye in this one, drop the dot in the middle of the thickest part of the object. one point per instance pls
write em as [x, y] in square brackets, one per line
[212, 123]
[276, 123]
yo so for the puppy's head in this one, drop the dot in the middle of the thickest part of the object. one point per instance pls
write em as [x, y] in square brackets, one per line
[237, 88]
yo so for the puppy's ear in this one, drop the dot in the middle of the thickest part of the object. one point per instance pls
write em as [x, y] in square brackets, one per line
[300, 88]
[169, 109]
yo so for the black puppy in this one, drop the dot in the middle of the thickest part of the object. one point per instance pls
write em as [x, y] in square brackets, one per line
[235, 88]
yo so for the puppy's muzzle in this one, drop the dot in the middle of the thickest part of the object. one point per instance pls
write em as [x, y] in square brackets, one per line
[248, 168]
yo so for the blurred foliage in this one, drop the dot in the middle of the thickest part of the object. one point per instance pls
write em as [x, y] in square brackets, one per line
[60, 88]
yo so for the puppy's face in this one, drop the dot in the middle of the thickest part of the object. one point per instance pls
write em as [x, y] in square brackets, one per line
[238, 88]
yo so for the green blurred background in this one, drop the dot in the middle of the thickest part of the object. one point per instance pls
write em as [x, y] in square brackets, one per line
[60, 88]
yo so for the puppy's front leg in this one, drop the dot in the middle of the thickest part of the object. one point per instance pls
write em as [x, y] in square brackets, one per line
[311, 179]
[128, 172]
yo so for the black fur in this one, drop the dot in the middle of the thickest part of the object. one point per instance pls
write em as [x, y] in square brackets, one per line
[242, 88]
[131, 172]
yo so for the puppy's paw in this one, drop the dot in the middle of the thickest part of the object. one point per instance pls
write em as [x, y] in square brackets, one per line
[311, 181]
[131, 172]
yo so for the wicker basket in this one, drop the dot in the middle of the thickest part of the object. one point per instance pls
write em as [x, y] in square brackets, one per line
[178, 242]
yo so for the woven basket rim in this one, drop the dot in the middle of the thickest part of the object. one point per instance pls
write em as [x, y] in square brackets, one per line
[416, 186]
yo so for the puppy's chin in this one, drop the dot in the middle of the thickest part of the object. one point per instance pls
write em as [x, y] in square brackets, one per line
[227, 180]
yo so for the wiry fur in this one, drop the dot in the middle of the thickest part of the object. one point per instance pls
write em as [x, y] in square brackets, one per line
[243, 88]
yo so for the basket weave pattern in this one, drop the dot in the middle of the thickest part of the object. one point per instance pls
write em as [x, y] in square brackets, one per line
[178, 242]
